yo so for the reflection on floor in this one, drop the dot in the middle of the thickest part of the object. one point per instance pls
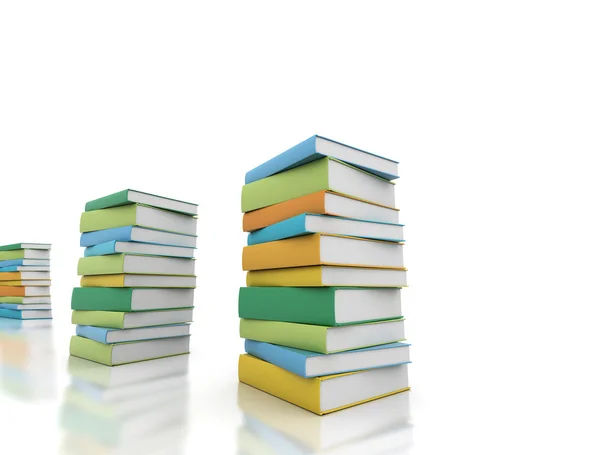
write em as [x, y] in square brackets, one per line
[274, 427]
[27, 361]
[139, 408]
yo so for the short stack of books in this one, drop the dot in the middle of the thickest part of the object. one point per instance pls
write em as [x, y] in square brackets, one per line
[136, 297]
[25, 282]
[322, 315]
[138, 408]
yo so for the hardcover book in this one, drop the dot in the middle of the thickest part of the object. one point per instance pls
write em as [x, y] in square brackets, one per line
[309, 223]
[138, 215]
[323, 174]
[25, 246]
[33, 306]
[126, 197]
[17, 276]
[137, 234]
[114, 247]
[317, 249]
[129, 299]
[134, 264]
[328, 276]
[324, 394]
[24, 254]
[122, 353]
[28, 314]
[323, 339]
[321, 202]
[109, 336]
[23, 291]
[328, 306]
[24, 262]
[122, 320]
[311, 364]
[138, 281]
[317, 147]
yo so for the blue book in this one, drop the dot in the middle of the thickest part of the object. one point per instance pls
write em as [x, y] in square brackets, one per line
[317, 147]
[145, 249]
[25, 314]
[10, 269]
[312, 364]
[309, 223]
[110, 336]
[23, 262]
[137, 234]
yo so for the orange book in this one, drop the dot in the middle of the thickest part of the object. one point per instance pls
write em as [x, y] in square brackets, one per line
[24, 291]
[323, 203]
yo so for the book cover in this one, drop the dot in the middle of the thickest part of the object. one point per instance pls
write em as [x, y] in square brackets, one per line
[108, 299]
[130, 196]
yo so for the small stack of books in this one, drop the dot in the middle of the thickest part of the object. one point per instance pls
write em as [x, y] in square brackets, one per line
[321, 314]
[137, 288]
[25, 282]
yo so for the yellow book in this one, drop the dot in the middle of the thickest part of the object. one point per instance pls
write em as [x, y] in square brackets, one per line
[103, 281]
[25, 283]
[126, 280]
[325, 394]
[326, 275]
[316, 249]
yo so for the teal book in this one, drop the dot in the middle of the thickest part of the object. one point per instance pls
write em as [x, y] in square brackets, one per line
[130, 299]
[128, 196]
[326, 306]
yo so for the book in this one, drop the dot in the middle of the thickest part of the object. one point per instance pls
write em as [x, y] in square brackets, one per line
[327, 434]
[28, 314]
[17, 306]
[130, 263]
[25, 283]
[317, 147]
[19, 324]
[323, 174]
[26, 246]
[139, 215]
[25, 268]
[323, 339]
[128, 196]
[317, 249]
[16, 276]
[24, 254]
[146, 249]
[24, 262]
[122, 353]
[324, 394]
[109, 336]
[329, 306]
[321, 202]
[23, 291]
[309, 223]
[128, 299]
[123, 375]
[122, 320]
[311, 364]
[137, 234]
[138, 281]
[26, 300]
[328, 276]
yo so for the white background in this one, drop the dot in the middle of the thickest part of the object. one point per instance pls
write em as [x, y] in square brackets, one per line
[491, 108]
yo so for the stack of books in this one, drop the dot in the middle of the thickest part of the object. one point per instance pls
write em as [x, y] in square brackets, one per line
[128, 409]
[136, 297]
[25, 282]
[322, 315]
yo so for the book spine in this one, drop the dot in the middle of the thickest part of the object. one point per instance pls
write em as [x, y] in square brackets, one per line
[112, 200]
[300, 336]
[293, 276]
[11, 314]
[103, 281]
[101, 265]
[299, 154]
[284, 358]
[101, 299]
[120, 234]
[98, 334]
[108, 319]
[98, 220]
[91, 350]
[293, 227]
[295, 252]
[11, 263]
[101, 249]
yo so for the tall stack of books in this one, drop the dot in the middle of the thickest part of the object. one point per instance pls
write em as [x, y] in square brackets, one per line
[322, 315]
[137, 288]
[25, 282]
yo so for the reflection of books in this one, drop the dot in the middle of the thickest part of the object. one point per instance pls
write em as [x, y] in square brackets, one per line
[16, 324]
[120, 375]
[381, 424]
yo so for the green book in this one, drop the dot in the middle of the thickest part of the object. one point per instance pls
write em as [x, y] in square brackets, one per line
[328, 306]
[128, 196]
[123, 353]
[124, 320]
[28, 253]
[114, 264]
[138, 215]
[130, 299]
[24, 246]
[324, 174]
[323, 339]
